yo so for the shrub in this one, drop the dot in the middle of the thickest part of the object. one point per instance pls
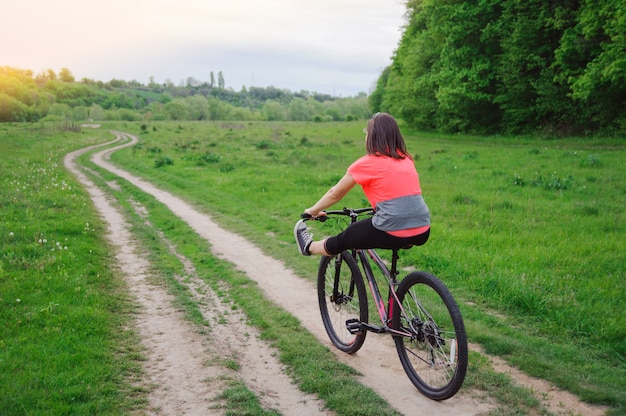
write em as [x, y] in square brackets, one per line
[162, 161]
[592, 161]
[209, 157]
[227, 167]
[553, 182]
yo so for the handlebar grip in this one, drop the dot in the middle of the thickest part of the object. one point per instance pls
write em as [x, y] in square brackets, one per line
[306, 216]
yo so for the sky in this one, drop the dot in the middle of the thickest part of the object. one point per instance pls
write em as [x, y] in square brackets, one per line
[336, 47]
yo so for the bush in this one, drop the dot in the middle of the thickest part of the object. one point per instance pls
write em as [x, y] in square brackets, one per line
[162, 161]
[209, 157]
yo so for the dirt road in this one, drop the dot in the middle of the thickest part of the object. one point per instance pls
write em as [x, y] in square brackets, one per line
[183, 365]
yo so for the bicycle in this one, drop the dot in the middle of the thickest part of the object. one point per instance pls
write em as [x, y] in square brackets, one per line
[421, 314]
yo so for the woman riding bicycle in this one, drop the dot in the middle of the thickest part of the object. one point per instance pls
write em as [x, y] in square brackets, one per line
[391, 184]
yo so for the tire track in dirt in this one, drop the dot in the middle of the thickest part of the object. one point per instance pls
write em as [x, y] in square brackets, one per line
[376, 361]
[184, 370]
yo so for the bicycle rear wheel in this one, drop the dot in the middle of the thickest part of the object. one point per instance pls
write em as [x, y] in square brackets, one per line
[435, 355]
[342, 300]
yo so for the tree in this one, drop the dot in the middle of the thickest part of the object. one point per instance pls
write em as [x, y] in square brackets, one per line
[273, 111]
[220, 80]
[526, 92]
[509, 66]
[96, 112]
[217, 109]
[60, 111]
[410, 87]
[192, 82]
[65, 75]
[11, 109]
[298, 110]
[51, 75]
[152, 85]
[176, 109]
[376, 97]
[119, 100]
[591, 62]
[332, 110]
[198, 107]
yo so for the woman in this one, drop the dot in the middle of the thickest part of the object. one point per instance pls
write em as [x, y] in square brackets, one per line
[391, 184]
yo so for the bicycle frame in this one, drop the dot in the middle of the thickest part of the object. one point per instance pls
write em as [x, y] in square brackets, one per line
[384, 311]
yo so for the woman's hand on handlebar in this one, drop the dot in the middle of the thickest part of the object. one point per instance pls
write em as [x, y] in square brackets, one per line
[308, 213]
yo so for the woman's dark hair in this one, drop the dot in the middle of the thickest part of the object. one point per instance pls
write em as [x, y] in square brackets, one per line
[384, 137]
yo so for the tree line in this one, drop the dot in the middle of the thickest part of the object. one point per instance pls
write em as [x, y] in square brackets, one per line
[48, 96]
[509, 66]
[556, 67]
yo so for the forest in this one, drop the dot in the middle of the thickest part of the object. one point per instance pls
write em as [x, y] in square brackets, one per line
[509, 66]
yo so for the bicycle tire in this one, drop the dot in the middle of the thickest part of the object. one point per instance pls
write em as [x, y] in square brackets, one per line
[349, 305]
[435, 356]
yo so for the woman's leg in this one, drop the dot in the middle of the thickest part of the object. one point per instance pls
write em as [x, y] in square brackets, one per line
[362, 234]
[318, 247]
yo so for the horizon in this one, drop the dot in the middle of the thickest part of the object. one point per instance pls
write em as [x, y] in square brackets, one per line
[322, 47]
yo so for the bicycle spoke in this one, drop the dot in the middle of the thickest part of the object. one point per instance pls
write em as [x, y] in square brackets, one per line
[344, 309]
[433, 350]
[431, 355]
[342, 298]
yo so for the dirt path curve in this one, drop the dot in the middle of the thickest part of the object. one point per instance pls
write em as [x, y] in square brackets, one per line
[184, 369]
[377, 360]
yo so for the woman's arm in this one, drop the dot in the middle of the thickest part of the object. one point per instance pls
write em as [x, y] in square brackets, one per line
[333, 195]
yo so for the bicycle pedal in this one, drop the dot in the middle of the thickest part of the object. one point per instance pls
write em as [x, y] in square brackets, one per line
[354, 326]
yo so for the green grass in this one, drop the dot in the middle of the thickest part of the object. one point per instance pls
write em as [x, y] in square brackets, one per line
[530, 228]
[242, 402]
[62, 306]
[528, 234]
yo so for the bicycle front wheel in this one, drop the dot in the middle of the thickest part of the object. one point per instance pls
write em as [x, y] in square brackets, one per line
[343, 301]
[434, 351]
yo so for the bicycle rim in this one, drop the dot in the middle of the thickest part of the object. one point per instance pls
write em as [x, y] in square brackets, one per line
[435, 355]
[347, 304]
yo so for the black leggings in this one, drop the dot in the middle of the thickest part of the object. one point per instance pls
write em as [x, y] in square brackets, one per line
[362, 234]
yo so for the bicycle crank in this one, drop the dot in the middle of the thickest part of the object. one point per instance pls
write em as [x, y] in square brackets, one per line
[354, 326]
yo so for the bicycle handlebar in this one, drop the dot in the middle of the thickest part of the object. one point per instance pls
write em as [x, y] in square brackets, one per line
[348, 212]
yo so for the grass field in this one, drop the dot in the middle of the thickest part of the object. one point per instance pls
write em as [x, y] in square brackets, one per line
[528, 233]
[65, 346]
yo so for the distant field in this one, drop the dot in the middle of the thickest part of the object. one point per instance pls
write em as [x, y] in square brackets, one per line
[527, 232]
